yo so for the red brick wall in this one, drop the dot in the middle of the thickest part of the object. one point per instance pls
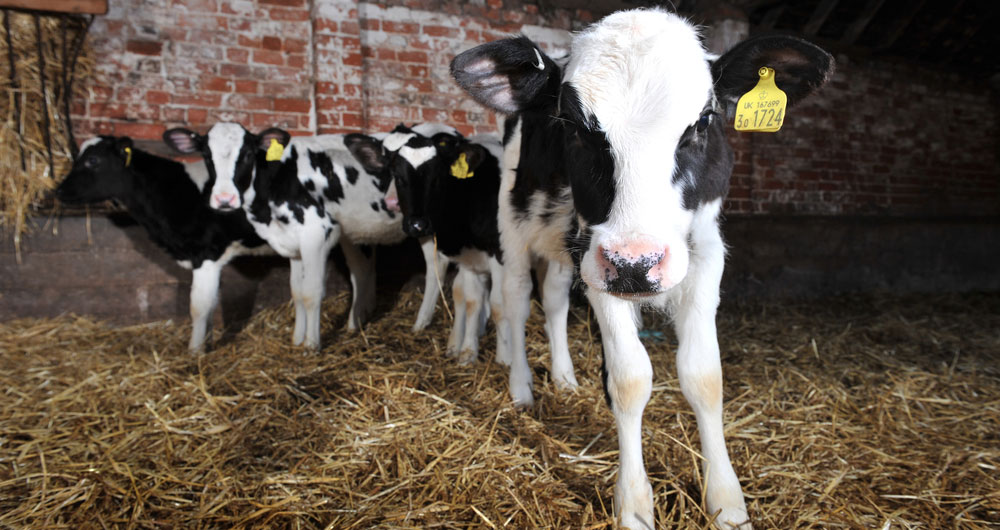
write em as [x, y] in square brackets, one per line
[881, 138]
[315, 66]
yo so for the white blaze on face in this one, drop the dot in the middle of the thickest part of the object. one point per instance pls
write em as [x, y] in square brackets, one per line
[224, 142]
[394, 141]
[645, 78]
[430, 129]
[89, 143]
[417, 156]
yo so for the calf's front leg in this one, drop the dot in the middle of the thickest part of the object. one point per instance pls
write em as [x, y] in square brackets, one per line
[628, 383]
[699, 371]
[435, 266]
[204, 297]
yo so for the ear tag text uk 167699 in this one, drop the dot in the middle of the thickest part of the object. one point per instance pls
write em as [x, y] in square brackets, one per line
[763, 108]
[274, 151]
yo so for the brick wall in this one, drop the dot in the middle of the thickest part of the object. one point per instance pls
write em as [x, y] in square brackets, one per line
[882, 138]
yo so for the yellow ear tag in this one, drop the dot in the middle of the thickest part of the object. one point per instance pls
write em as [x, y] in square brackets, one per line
[763, 108]
[460, 169]
[274, 151]
[128, 156]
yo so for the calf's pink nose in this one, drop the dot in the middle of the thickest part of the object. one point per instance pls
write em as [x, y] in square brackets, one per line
[225, 199]
[633, 267]
[392, 203]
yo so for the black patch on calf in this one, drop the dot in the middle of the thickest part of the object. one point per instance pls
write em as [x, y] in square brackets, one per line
[708, 158]
[310, 185]
[374, 206]
[321, 162]
[588, 160]
[509, 126]
[278, 183]
[385, 208]
[352, 175]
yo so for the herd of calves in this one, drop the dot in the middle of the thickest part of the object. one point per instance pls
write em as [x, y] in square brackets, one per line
[612, 170]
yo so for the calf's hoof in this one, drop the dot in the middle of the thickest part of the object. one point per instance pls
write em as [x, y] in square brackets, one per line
[733, 519]
[635, 507]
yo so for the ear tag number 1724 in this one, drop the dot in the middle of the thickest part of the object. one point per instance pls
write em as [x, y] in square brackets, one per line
[763, 108]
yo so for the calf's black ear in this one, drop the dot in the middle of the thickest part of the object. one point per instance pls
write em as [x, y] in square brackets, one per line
[474, 155]
[368, 151]
[273, 133]
[445, 140]
[123, 147]
[183, 140]
[508, 75]
[800, 68]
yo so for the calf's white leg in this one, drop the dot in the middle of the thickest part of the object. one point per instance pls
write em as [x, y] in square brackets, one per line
[629, 384]
[204, 296]
[435, 266]
[555, 301]
[516, 307]
[458, 325]
[475, 296]
[362, 269]
[295, 276]
[500, 321]
[700, 373]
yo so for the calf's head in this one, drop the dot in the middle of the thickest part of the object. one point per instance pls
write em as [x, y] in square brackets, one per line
[634, 122]
[414, 158]
[231, 155]
[99, 173]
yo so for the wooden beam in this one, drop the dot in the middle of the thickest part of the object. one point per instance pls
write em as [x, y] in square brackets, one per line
[771, 18]
[819, 16]
[967, 37]
[82, 7]
[858, 26]
[900, 25]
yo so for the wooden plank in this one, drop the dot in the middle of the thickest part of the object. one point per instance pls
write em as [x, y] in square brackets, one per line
[89, 7]
[819, 16]
[858, 26]
[900, 25]
[771, 18]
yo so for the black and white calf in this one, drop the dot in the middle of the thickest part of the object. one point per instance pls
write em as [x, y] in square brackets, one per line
[619, 160]
[166, 198]
[447, 187]
[316, 195]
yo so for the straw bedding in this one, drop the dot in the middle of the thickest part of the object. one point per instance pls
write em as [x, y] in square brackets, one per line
[24, 109]
[876, 412]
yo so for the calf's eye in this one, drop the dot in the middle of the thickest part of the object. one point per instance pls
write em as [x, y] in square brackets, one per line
[704, 121]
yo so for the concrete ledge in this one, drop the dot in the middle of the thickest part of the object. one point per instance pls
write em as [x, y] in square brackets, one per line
[116, 273]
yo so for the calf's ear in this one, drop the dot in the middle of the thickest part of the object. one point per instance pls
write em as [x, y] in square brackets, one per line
[123, 147]
[800, 68]
[444, 140]
[183, 140]
[474, 155]
[508, 75]
[273, 133]
[368, 151]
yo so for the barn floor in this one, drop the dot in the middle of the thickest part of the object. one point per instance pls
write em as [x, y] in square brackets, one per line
[860, 412]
